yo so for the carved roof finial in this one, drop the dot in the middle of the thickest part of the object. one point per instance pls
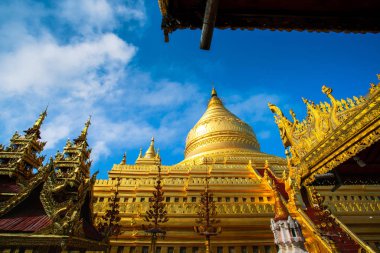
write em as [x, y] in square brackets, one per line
[86, 125]
[35, 129]
[280, 211]
[83, 135]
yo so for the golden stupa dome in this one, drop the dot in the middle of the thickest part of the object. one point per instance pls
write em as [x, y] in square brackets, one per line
[219, 130]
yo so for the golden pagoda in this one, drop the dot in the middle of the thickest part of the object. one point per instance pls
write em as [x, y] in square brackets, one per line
[226, 196]
[221, 147]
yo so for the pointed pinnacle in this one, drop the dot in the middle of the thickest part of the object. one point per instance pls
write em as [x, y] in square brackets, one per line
[86, 125]
[41, 118]
[213, 92]
[124, 160]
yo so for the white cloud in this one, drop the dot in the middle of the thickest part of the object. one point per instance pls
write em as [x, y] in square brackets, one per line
[45, 66]
[87, 72]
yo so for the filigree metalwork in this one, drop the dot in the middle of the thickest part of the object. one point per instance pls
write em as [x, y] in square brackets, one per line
[156, 215]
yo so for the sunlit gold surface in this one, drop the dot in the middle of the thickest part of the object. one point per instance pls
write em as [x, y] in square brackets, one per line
[331, 133]
[219, 129]
[225, 147]
[281, 213]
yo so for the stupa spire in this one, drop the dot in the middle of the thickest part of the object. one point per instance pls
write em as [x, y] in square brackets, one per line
[151, 156]
[40, 119]
[150, 152]
[124, 160]
[213, 92]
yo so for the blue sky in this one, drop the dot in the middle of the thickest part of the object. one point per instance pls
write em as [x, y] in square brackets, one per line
[108, 59]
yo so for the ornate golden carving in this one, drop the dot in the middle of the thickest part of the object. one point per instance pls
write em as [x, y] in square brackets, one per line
[331, 133]
[39, 178]
[21, 160]
[67, 187]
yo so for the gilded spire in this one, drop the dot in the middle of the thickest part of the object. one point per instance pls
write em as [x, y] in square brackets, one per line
[213, 92]
[35, 129]
[280, 211]
[83, 134]
[124, 160]
[150, 153]
[86, 125]
[40, 119]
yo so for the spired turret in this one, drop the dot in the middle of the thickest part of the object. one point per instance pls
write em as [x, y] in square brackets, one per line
[69, 186]
[20, 161]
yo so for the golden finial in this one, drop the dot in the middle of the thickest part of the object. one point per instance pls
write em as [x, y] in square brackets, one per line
[86, 125]
[213, 92]
[150, 153]
[326, 90]
[266, 165]
[41, 118]
[280, 211]
[140, 153]
[83, 135]
[124, 160]
[378, 77]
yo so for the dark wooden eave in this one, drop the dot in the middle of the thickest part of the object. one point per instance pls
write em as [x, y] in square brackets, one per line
[350, 16]
[361, 169]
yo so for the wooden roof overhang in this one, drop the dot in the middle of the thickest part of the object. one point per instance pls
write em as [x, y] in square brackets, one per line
[350, 16]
